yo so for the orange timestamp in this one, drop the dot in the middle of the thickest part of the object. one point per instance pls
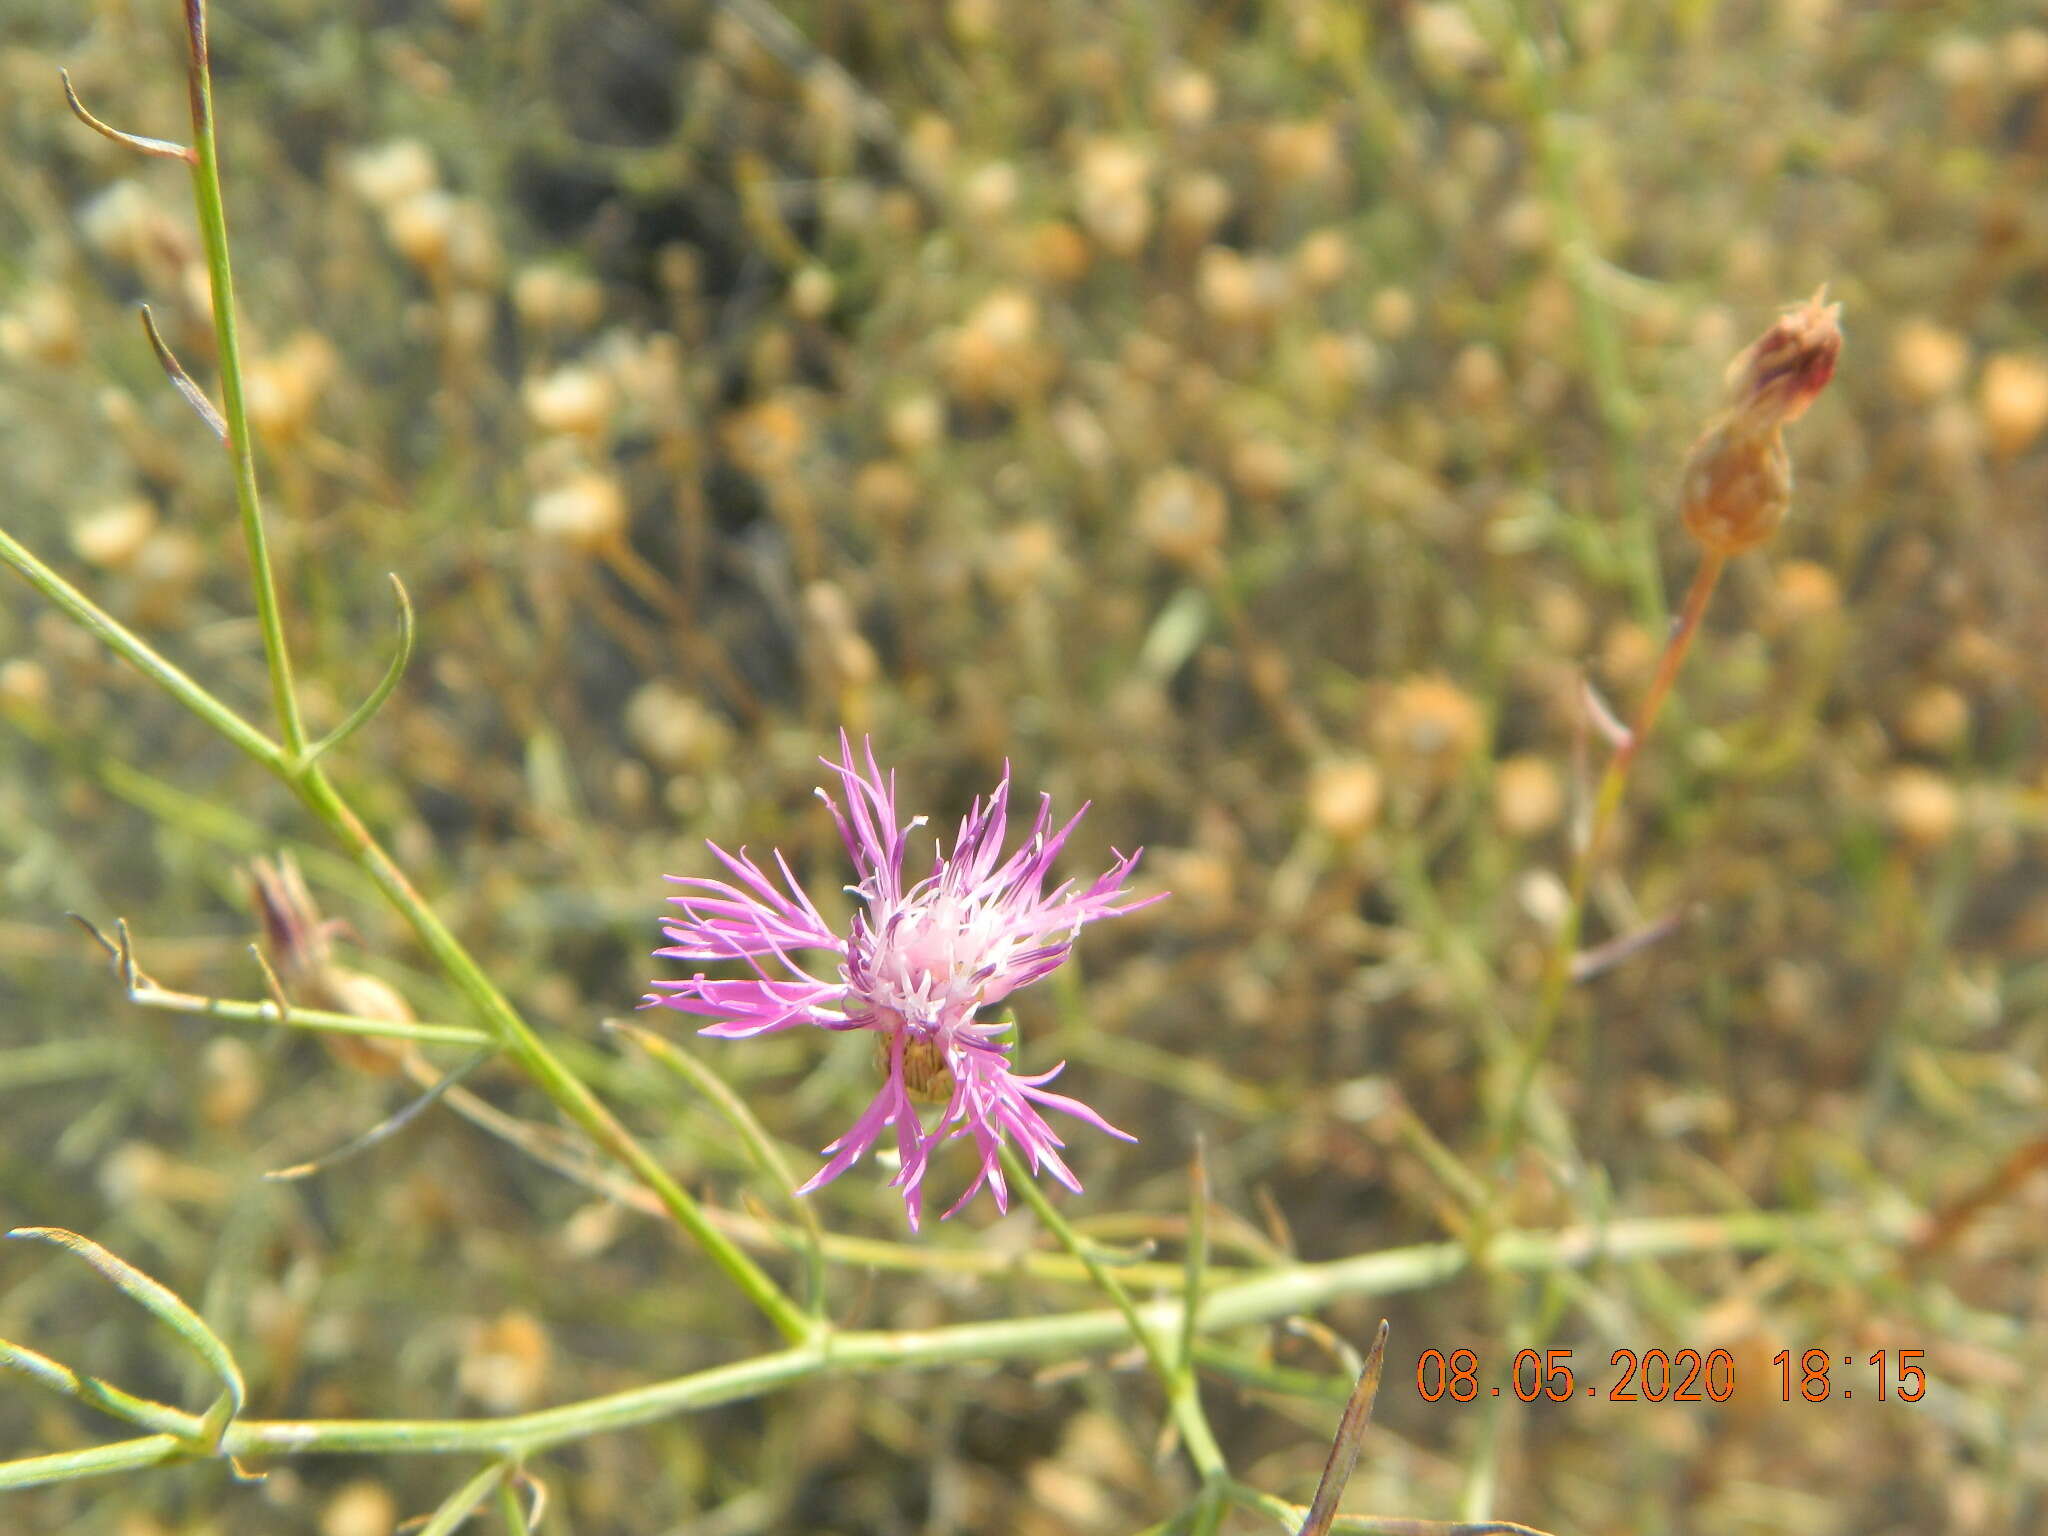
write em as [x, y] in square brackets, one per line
[1661, 1376]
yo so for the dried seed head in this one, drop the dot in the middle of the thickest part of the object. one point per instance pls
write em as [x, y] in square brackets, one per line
[361, 1508]
[552, 298]
[1056, 253]
[24, 684]
[1185, 97]
[505, 1361]
[1430, 729]
[674, 729]
[812, 293]
[233, 1084]
[1344, 797]
[1528, 796]
[1301, 152]
[885, 492]
[1922, 807]
[1197, 203]
[2013, 400]
[386, 175]
[1263, 469]
[915, 423]
[1236, 290]
[1446, 42]
[1737, 482]
[1936, 718]
[572, 400]
[125, 226]
[1806, 590]
[1182, 515]
[166, 568]
[43, 328]
[1392, 313]
[1025, 558]
[1112, 194]
[110, 537]
[995, 356]
[989, 195]
[587, 512]
[842, 648]
[285, 386]
[1928, 361]
[1322, 259]
[422, 227]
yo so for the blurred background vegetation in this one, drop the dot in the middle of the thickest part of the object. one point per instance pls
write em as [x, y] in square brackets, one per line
[1252, 417]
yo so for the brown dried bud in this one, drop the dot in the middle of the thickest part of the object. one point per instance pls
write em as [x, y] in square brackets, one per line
[297, 943]
[1737, 486]
[1779, 375]
[1737, 482]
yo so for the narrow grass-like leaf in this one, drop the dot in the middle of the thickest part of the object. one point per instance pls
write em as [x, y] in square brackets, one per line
[1197, 1255]
[407, 634]
[387, 1127]
[522, 1518]
[462, 1503]
[158, 1300]
[162, 149]
[56, 1061]
[760, 1145]
[100, 1461]
[1322, 1513]
[92, 1391]
[180, 379]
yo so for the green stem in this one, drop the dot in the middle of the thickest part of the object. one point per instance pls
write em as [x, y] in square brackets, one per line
[1183, 1390]
[503, 1022]
[547, 1070]
[213, 234]
[1564, 946]
[138, 653]
[100, 1461]
[1261, 1299]
[317, 1020]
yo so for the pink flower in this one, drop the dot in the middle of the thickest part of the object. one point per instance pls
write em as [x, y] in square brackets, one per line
[917, 966]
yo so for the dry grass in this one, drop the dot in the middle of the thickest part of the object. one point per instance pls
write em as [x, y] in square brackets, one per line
[1253, 418]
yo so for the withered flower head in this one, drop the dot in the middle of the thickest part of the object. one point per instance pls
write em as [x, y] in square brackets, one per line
[1776, 377]
[1737, 483]
[298, 946]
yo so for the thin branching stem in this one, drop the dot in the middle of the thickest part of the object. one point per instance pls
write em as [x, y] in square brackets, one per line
[1260, 1299]
[518, 1039]
[213, 234]
[138, 653]
[1183, 1391]
[1557, 971]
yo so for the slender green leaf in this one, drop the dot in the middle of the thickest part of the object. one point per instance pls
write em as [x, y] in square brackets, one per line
[407, 633]
[92, 1391]
[463, 1502]
[157, 1299]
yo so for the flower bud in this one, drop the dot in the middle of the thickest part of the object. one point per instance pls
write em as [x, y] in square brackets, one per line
[1737, 487]
[1737, 482]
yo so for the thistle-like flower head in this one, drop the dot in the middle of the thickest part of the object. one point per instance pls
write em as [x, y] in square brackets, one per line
[920, 965]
